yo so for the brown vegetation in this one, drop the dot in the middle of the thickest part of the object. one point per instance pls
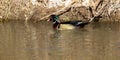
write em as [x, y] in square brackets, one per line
[27, 10]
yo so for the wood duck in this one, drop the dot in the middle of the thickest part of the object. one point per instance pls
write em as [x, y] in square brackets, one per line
[57, 24]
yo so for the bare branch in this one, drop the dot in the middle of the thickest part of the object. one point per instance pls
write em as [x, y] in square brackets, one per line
[63, 10]
[99, 12]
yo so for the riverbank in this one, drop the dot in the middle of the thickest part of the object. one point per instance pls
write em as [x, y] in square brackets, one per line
[34, 10]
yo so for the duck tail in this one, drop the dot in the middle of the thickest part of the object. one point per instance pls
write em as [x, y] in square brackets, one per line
[83, 24]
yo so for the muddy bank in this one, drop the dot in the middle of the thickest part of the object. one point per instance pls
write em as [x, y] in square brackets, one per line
[36, 9]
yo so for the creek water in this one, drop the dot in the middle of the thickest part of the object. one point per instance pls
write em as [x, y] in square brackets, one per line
[39, 41]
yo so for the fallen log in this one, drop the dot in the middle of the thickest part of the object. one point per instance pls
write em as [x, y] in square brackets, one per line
[60, 12]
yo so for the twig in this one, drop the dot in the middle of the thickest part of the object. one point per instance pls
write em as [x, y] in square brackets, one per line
[99, 12]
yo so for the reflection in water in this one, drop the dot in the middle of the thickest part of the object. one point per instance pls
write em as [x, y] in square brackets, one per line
[28, 41]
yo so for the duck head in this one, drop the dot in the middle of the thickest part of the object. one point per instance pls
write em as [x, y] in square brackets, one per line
[55, 20]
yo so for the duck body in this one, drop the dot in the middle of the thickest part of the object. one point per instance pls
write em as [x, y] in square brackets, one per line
[75, 23]
[67, 24]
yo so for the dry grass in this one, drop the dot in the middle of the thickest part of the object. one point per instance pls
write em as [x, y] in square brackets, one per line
[25, 10]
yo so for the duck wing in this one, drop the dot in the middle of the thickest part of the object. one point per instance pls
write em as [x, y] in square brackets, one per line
[75, 23]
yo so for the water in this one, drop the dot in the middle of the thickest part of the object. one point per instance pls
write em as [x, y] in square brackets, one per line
[38, 41]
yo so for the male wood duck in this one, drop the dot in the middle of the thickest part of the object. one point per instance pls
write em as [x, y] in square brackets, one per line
[57, 24]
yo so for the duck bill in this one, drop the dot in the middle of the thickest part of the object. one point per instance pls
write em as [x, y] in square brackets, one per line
[48, 20]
